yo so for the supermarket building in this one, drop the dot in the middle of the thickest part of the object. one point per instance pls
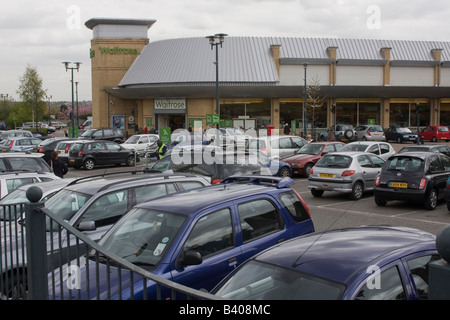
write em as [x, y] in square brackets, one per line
[172, 83]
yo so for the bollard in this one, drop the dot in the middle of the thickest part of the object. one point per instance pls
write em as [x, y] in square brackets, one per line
[36, 242]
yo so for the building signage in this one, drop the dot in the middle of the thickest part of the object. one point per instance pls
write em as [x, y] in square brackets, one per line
[166, 104]
[117, 50]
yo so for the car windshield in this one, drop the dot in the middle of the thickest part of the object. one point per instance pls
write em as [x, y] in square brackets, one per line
[143, 236]
[443, 129]
[88, 133]
[404, 130]
[132, 140]
[65, 204]
[334, 161]
[9, 212]
[354, 147]
[260, 281]
[405, 163]
[310, 149]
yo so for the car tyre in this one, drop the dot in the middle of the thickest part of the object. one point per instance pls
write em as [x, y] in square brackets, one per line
[89, 164]
[317, 193]
[308, 168]
[285, 172]
[130, 161]
[380, 202]
[348, 134]
[431, 200]
[357, 191]
[399, 140]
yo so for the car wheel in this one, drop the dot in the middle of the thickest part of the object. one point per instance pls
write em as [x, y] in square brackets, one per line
[285, 172]
[434, 139]
[308, 168]
[348, 134]
[357, 191]
[380, 202]
[130, 161]
[431, 200]
[399, 140]
[89, 164]
[317, 193]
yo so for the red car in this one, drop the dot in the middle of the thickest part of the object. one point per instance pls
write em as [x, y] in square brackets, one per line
[306, 157]
[435, 133]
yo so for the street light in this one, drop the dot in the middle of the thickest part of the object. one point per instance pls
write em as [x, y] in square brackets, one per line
[215, 41]
[77, 67]
[305, 66]
[76, 87]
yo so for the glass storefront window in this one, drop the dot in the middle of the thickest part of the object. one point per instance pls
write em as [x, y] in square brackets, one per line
[404, 115]
[292, 110]
[445, 114]
[257, 112]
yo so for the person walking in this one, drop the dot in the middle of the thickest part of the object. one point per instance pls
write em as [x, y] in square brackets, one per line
[160, 151]
[286, 129]
[58, 166]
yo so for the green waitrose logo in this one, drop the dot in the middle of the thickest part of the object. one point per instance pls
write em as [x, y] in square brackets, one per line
[115, 50]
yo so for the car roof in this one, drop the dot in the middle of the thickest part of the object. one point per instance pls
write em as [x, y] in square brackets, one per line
[348, 153]
[95, 184]
[339, 254]
[211, 196]
[11, 174]
[418, 154]
[20, 154]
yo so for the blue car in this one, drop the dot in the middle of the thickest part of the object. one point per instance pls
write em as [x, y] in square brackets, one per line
[364, 263]
[197, 237]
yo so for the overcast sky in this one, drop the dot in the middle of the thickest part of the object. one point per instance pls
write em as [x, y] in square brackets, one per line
[45, 33]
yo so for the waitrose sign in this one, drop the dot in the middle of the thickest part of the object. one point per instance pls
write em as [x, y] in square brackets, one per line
[165, 104]
[118, 50]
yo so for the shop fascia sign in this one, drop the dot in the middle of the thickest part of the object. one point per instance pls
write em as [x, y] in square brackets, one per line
[166, 104]
[115, 50]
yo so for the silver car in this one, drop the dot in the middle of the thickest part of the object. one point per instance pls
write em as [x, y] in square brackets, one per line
[370, 132]
[347, 172]
[382, 149]
[277, 147]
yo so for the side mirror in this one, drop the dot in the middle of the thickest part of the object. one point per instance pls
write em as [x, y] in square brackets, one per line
[189, 258]
[87, 226]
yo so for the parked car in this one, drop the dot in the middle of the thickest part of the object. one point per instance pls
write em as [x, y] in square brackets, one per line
[400, 135]
[342, 132]
[307, 156]
[213, 162]
[276, 147]
[382, 149]
[13, 144]
[370, 132]
[10, 181]
[92, 153]
[41, 135]
[140, 142]
[11, 205]
[277, 168]
[348, 172]
[110, 134]
[196, 238]
[21, 161]
[63, 147]
[362, 263]
[435, 133]
[442, 148]
[447, 193]
[418, 177]
[46, 147]
[227, 135]
[93, 205]
[15, 133]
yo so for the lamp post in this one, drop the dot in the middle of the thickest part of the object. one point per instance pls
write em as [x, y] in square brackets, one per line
[76, 87]
[215, 41]
[49, 111]
[77, 67]
[305, 66]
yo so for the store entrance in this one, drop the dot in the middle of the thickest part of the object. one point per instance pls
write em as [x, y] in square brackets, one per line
[173, 121]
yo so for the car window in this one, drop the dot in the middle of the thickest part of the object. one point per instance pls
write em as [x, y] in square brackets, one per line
[392, 288]
[112, 146]
[329, 148]
[375, 129]
[364, 161]
[419, 271]
[284, 143]
[188, 185]
[13, 184]
[297, 142]
[258, 218]
[374, 149]
[334, 161]
[148, 192]
[376, 162]
[2, 165]
[294, 206]
[211, 234]
[405, 163]
[98, 146]
[445, 162]
[28, 164]
[143, 139]
[435, 164]
[97, 134]
[384, 148]
[108, 133]
[108, 208]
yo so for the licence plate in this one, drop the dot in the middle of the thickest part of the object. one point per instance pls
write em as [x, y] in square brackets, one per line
[4, 149]
[398, 185]
[326, 175]
[71, 160]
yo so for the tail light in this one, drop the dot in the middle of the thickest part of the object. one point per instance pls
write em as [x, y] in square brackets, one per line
[264, 150]
[216, 181]
[377, 181]
[66, 150]
[422, 184]
[348, 173]
[311, 172]
[80, 153]
[41, 149]
[368, 133]
[11, 144]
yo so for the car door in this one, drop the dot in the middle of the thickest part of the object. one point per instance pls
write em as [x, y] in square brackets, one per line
[439, 171]
[99, 152]
[369, 172]
[117, 154]
[212, 234]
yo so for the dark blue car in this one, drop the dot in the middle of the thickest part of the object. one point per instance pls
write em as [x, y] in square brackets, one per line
[198, 237]
[364, 263]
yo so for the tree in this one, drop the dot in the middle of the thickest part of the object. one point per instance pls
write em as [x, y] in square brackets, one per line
[315, 100]
[32, 95]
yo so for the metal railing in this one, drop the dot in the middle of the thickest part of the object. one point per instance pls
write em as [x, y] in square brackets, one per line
[43, 257]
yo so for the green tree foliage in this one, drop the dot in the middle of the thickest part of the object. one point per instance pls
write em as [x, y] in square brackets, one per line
[32, 96]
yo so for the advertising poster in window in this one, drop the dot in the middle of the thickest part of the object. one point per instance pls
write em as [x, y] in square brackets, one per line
[118, 122]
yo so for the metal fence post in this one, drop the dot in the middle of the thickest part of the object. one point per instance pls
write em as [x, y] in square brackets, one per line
[36, 242]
